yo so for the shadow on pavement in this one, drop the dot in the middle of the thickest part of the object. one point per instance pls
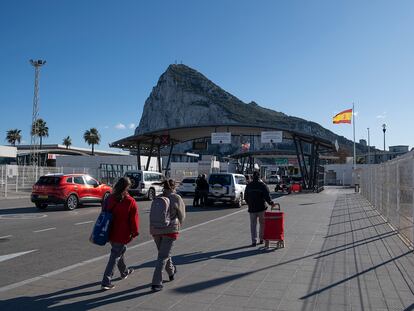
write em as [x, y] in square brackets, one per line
[56, 300]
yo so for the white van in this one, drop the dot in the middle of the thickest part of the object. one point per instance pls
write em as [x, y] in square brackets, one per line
[227, 188]
[145, 184]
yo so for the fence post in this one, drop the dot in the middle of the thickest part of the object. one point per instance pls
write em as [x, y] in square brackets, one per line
[5, 184]
[398, 195]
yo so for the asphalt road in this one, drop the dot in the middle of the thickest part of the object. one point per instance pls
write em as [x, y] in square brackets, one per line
[55, 238]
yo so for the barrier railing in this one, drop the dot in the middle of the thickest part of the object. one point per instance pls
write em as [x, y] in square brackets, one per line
[390, 189]
[17, 180]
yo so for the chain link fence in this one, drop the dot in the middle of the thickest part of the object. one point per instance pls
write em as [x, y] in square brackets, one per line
[17, 180]
[390, 189]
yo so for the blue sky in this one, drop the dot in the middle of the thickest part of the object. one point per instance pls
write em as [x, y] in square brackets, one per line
[309, 59]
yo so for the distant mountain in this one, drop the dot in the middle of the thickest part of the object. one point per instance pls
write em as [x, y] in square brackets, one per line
[185, 97]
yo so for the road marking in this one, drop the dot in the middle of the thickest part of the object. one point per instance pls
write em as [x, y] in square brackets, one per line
[42, 230]
[10, 256]
[82, 223]
[85, 262]
[5, 237]
[22, 216]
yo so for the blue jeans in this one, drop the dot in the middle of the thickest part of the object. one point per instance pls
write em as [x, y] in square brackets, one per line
[116, 257]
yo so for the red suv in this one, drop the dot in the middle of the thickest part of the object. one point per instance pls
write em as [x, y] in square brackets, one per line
[70, 190]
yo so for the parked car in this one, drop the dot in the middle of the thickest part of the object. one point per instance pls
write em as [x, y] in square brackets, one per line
[68, 189]
[227, 188]
[187, 186]
[273, 179]
[145, 184]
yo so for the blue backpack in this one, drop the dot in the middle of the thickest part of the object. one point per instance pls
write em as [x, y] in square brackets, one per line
[100, 232]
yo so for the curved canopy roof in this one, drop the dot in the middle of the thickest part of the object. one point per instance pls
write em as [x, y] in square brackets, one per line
[189, 133]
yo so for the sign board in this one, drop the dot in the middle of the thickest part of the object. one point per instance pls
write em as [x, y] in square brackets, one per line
[221, 138]
[281, 161]
[165, 139]
[272, 137]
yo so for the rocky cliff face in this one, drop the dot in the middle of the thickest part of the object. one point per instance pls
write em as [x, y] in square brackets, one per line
[184, 97]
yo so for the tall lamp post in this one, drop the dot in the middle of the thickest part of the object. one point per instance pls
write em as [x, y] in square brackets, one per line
[34, 152]
[384, 129]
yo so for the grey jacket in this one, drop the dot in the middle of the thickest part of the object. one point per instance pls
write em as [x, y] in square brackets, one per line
[177, 214]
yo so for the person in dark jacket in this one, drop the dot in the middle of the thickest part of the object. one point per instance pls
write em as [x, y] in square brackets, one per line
[124, 227]
[196, 201]
[257, 195]
[204, 188]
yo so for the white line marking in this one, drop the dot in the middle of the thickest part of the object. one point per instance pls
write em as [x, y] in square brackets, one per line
[10, 256]
[5, 237]
[84, 222]
[42, 230]
[85, 262]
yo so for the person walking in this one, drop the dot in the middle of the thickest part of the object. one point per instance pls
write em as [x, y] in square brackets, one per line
[124, 228]
[166, 217]
[257, 195]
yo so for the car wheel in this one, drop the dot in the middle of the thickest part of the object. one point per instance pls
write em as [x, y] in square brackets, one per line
[151, 194]
[239, 202]
[41, 205]
[106, 195]
[72, 202]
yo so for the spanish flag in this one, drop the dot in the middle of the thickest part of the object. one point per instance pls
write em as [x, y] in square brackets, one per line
[343, 117]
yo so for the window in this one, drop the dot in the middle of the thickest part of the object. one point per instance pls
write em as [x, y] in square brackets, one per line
[224, 180]
[49, 180]
[240, 180]
[91, 182]
[78, 180]
[69, 180]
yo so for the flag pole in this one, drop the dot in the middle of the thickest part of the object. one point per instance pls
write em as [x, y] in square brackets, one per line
[353, 123]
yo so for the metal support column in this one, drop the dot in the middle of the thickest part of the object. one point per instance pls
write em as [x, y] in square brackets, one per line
[159, 158]
[167, 168]
[139, 156]
[306, 175]
[150, 154]
[302, 173]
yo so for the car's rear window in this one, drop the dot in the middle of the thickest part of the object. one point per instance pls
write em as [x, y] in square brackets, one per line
[49, 180]
[188, 181]
[135, 176]
[223, 180]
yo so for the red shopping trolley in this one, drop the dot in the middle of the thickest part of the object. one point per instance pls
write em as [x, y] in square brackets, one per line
[274, 227]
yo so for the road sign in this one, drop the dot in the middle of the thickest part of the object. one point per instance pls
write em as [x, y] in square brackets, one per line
[272, 137]
[221, 138]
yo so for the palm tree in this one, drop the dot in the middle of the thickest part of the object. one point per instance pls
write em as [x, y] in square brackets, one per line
[67, 141]
[13, 136]
[40, 129]
[92, 137]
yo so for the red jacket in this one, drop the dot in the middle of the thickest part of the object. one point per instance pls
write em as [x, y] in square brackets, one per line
[125, 220]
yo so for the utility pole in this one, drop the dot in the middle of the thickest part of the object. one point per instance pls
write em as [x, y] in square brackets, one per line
[34, 147]
[369, 149]
[384, 129]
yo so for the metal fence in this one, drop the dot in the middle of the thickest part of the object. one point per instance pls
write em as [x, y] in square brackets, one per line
[390, 189]
[17, 180]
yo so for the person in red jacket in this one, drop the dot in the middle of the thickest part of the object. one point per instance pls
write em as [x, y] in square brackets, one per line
[124, 227]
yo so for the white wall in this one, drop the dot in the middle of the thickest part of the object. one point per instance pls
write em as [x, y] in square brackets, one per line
[8, 152]
[343, 173]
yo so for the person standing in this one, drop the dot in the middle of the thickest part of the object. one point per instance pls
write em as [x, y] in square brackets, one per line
[257, 195]
[124, 228]
[196, 201]
[204, 188]
[166, 217]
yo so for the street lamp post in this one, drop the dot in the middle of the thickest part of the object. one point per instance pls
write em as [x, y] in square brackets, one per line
[384, 129]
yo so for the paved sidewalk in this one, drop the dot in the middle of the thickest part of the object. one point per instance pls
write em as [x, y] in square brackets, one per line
[339, 255]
